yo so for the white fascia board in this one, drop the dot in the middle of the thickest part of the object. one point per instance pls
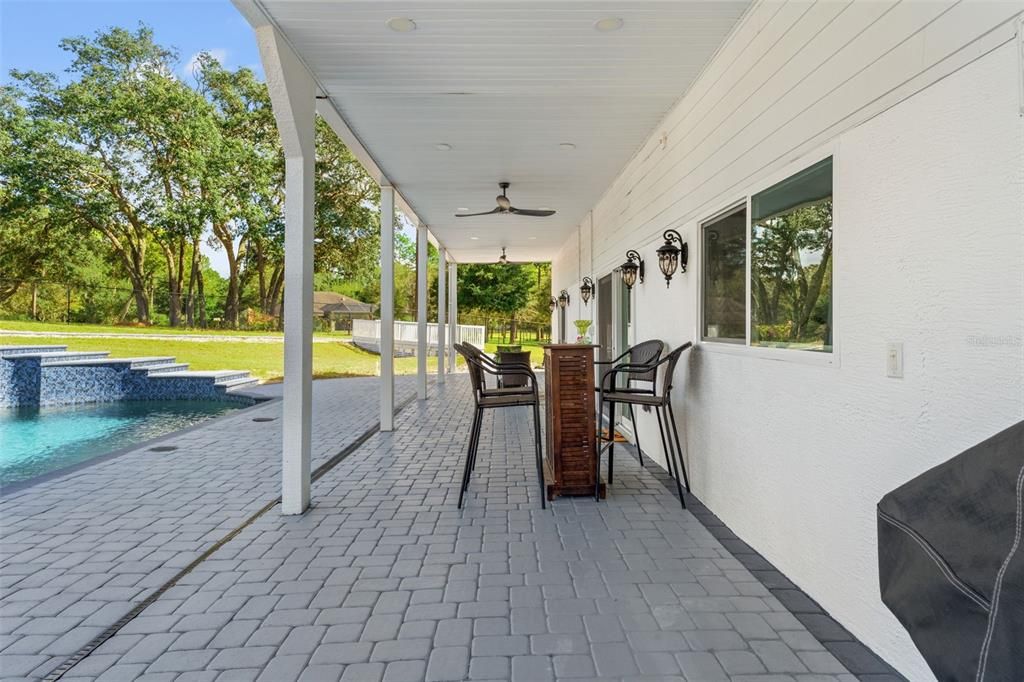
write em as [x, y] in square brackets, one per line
[256, 16]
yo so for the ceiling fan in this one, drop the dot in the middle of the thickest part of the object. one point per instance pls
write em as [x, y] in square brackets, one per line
[505, 206]
[505, 261]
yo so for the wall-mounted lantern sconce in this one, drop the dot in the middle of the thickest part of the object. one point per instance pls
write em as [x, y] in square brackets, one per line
[671, 256]
[563, 299]
[586, 289]
[553, 304]
[633, 267]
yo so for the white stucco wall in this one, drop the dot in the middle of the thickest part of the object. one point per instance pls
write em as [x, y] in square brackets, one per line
[929, 233]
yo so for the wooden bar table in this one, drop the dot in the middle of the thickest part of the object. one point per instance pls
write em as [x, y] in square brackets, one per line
[571, 420]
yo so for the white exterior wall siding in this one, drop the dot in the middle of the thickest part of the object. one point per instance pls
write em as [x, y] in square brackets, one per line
[920, 105]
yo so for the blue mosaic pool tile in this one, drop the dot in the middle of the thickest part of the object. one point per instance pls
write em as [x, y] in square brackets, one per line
[27, 381]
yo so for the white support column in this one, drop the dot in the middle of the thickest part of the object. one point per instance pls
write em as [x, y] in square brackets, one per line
[387, 308]
[453, 313]
[442, 347]
[293, 96]
[421, 311]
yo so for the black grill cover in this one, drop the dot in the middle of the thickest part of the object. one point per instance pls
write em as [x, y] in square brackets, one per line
[951, 561]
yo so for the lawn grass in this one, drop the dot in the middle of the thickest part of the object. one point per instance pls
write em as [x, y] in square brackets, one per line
[263, 360]
[61, 327]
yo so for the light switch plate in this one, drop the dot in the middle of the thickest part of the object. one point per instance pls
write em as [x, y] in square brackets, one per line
[894, 360]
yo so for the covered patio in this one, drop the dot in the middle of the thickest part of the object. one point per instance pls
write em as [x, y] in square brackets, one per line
[383, 578]
[326, 544]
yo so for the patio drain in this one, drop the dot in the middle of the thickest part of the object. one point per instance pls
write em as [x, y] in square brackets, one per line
[164, 448]
[109, 632]
[264, 419]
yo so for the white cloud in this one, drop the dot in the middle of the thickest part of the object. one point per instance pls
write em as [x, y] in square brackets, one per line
[218, 53]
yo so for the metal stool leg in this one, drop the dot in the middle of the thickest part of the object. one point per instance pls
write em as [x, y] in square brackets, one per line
[664, 444]
[479, 423]
[669, 457]
[597, 455]
[540, 461]
[470, 453]
[679, 448]
[611, 441]
[636, 435]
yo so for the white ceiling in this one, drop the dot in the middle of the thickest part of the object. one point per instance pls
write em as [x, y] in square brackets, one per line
[503, 83]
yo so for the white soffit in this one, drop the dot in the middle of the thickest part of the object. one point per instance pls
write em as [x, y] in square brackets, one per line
[504, 85]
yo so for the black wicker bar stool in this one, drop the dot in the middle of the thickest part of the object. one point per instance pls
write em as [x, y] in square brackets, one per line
[485, 398]
[659, 400]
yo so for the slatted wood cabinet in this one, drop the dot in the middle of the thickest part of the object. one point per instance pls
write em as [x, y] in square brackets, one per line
[570, 419]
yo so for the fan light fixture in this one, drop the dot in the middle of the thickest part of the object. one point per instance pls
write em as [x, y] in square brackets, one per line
[401, 24]
[608, 24]
[586, 289]
[504, 206]
[633, 267]
[671, 256]
[563, 299]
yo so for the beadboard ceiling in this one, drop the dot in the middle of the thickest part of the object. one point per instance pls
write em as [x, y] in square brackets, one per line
[504, 84]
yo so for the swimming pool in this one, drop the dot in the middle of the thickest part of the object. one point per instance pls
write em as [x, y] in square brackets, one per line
[38, 440]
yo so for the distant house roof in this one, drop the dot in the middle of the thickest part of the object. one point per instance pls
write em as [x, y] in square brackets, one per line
[326, 302]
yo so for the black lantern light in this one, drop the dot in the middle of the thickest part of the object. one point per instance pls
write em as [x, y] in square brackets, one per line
[671, 256]
[563, 299]
[553, 304]
[631, 269]
[586, 289]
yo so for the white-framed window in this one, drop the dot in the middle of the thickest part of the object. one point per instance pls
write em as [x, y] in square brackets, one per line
[767, 266]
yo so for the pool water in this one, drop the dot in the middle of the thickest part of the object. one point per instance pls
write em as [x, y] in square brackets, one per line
[38, 440]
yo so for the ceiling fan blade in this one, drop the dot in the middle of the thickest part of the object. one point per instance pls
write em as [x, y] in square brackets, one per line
[530, 212]
[469, 215]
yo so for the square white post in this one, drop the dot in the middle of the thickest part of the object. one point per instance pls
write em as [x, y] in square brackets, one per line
[292, 95]
[453, 313]
[421, 311]
[442, 265]
[387, 308]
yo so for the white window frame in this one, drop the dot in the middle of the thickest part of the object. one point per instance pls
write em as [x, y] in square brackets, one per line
[744, 348]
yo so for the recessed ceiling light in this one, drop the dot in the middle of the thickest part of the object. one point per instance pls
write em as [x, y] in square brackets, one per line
[443, 147]
[567, 146]
[531, 238]
[462, 208]
[401, 24]
[608, 24]
[474, 238]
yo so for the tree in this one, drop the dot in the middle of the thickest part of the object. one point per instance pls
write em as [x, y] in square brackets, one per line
[786, 290]
[36, 242]
[127, 151]
[122, 147]
[498, 289]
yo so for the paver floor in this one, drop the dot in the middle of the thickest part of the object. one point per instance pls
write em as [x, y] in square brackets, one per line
[77, 552]
[385, 579]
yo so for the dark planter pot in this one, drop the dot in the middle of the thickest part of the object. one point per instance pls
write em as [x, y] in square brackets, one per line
[507, 358]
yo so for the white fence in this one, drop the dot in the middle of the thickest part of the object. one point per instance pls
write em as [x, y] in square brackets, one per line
[366, 334]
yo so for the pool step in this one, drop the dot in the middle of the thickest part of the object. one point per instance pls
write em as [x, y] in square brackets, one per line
[237, 383]
[52, 375]
[217, 376]
[59, 356]
[167, 367]
[8, 351]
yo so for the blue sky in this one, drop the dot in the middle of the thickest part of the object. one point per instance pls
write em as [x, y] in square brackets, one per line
[30, 30]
